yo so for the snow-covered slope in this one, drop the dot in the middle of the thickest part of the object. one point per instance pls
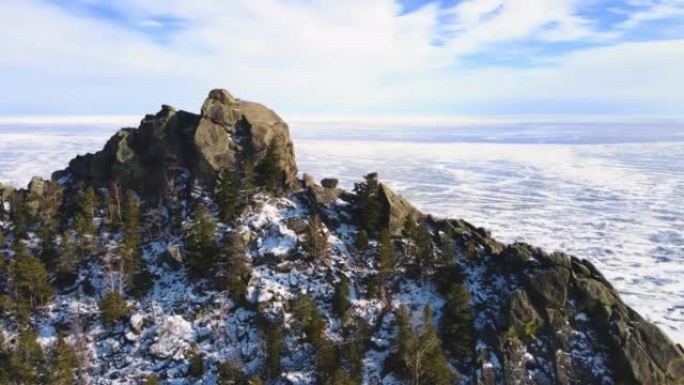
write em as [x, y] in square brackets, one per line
[318, 306]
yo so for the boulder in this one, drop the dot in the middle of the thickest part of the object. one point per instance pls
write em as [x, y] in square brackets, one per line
[522, 313]
[645, 355]
[549, 286]
[320, 195]
[517, 254]
[594, 293]
[396, 209]
[36, 186]
[329, 183]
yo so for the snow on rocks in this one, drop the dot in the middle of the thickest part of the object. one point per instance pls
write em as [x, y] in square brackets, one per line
[136, 322]
[173, 338]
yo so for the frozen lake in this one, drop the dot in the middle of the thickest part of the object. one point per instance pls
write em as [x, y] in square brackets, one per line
[607, 191]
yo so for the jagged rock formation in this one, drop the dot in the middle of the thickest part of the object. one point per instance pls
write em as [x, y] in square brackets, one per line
[226, 307]
[227, 132]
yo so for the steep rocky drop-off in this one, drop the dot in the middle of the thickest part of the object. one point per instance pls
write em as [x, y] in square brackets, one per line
[188, 251]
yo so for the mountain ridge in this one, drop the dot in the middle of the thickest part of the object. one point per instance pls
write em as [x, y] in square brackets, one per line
[520, 315]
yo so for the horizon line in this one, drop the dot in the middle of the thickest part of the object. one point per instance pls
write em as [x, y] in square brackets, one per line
[134, 120]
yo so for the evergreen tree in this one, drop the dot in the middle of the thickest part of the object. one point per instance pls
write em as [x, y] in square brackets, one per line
[409, 232]
[62, 365]
[27, 361]
[68, 261]
[309, 318]
[5, 369]
[420, 352]
[326, 359]
[228, 195]
[340, 377]
[446, 250]
[361, 241]
[341, 299]
[248, 184]
[151, 379]
[86, 212]
[456, 324]
[273, 338]
[31, 283]
[201, 250]
[385, 257]
[369, 208]
[195, 364]
[270, 169]
[236, 266]
[19, 215]
[229, 373]
[47, 243]
[424, 248]
[130, 246]
[316, 239]
[113, 308]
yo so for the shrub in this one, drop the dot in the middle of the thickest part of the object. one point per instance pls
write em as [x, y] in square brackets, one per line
[195, 364]
[113, 308]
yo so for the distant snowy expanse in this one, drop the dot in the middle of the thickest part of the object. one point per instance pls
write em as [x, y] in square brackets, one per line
[607, 191]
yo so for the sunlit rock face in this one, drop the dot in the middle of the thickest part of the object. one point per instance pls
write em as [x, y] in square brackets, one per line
[227, 132]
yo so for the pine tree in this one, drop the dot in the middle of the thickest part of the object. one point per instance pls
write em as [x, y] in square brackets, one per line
[385, 257]
[63, 363]
[31, 283]
[86, 213]
[5, 368]
[341, 299]
[424, 248]
[420, 352]
[248, 184]
[361, 241]
[130, 246]
[340, 377]
[316, 239]
[273, 338]
[236, 266]
[27, 361]
[369, 208]
[228, 195]
[19, 215]
[47, 243]
[270, 169]
[409, 233]
[446, 250]
[309, 318]
[68, 261]
[436, 365]
[201, 249]
[113, 308]
[151, 379]
[195, 364]
[229, 373]
[456, 324]
[327, 360]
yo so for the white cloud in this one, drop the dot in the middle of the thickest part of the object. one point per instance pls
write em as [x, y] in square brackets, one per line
[318, 56]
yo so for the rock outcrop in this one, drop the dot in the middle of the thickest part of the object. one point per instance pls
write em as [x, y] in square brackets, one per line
[228, 132]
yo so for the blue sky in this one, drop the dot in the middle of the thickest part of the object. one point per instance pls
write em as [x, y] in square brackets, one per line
[351, 58]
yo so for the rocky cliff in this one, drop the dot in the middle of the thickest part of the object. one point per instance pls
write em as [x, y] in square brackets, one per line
[188, 251]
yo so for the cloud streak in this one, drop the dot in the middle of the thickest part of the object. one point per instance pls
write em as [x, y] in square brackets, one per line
[328, 57]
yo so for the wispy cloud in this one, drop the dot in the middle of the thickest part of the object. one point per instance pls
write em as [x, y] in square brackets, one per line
[325, 56]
